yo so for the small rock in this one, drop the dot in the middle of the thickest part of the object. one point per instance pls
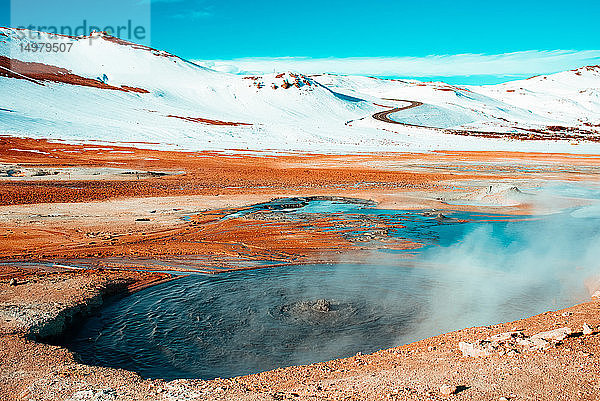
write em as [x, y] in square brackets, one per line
[534, 343]
[540, 343]
[448, 389]
[565, 314]
[587, 330]
[555, 335]
[482, 348]
[13, 282]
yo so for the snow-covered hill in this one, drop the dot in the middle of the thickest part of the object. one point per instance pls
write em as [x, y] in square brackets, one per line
[570, 99]
[104, 89]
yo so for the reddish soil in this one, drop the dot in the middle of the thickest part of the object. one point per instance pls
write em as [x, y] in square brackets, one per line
[395, 180]
[208, 121]
[207, 234]
[205, 173]
[37, 72]
[133, 217]
[382, 105]
[593, 68]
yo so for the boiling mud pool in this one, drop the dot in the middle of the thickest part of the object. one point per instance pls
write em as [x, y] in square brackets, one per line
[486, 270]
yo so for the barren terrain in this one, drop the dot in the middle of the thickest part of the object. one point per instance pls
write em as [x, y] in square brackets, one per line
[42, 303]
[61, 206]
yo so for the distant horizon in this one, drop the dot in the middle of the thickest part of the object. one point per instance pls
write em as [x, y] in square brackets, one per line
[458, 69]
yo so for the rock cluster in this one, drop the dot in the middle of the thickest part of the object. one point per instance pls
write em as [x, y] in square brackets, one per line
[322, 305]
[515, 342]
[94, 395]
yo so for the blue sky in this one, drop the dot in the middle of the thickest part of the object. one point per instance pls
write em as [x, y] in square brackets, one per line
[233, 29]
[326, 28]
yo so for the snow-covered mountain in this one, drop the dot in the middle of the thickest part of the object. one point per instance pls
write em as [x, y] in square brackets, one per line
[105, 89]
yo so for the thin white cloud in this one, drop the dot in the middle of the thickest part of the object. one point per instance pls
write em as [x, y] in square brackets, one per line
[199, 12]
[158, 1]
[522, 63]
[193, 15]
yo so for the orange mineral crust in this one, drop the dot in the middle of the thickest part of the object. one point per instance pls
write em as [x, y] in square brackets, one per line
[79, 200]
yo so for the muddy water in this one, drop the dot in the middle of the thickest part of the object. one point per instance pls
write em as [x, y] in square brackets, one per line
[477, 270]
[239, 323]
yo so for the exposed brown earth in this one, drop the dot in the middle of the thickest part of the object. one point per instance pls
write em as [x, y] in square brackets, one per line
[38, 73]
[208, 121]
[145, 213]
[149, 214]
[212, 173]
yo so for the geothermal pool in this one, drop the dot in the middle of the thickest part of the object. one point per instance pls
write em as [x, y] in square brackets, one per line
[479, 270]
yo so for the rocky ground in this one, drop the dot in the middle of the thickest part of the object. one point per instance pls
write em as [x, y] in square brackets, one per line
[552, 356]
[160, 203]
[154, 204]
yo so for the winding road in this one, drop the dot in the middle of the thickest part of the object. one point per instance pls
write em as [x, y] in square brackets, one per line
[526, 134]
[383, 115]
